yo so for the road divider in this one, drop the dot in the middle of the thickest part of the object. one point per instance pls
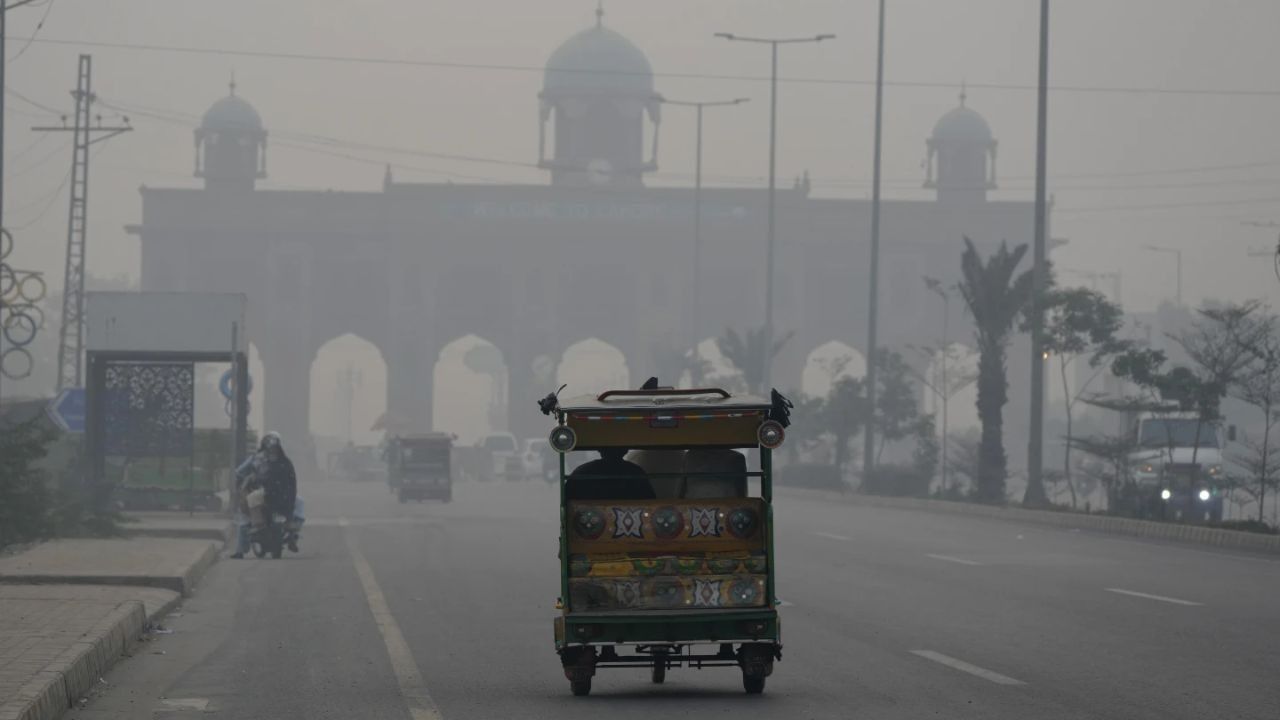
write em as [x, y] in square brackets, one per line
[1189, 534]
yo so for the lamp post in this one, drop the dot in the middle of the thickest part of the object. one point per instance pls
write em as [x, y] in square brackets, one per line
[1035, 494]
[773, 44]
[1177, 253]
[873, 285]
[697, 202]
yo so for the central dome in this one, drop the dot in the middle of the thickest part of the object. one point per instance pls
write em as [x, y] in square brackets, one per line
[964, 126]
[598, 60]
[232, 113]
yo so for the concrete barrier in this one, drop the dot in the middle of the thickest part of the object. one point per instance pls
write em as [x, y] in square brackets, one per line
[1190, 534]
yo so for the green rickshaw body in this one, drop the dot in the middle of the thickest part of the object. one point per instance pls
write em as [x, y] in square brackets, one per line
[645, 581]
[419, 467]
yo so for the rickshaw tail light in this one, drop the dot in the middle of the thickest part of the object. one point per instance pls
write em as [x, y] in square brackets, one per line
[563, 439]
[771, 434]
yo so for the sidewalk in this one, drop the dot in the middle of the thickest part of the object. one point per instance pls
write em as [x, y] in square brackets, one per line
[57, 640]
[72, 608]
[197, 526]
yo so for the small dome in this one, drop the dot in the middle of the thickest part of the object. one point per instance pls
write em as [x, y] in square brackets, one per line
[963, 126]
[598, 60]
[232, 113]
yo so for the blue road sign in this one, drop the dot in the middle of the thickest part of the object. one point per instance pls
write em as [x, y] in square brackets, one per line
[67, 410]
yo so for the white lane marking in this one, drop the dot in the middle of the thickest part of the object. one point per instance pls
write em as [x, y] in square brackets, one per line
[1159, 598]
[963, 666]
[832, 536]
[949, 558]
[412, 688]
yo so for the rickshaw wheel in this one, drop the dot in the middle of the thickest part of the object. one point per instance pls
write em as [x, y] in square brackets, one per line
[753, 685]
[659, 670]
[581, 688]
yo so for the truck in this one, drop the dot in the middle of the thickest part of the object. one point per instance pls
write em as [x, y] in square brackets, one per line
[1178, 467]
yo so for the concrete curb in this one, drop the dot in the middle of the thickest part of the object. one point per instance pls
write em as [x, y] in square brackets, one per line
[1189, 534]
[183, 533]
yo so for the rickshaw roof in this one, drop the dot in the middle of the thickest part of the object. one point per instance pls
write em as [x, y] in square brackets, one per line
[664, 399]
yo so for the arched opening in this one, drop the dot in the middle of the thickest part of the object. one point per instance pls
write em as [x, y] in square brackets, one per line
[828, 363]
[715, 368]
[212, 409]
[348, 393]
[470, 398]
[592, 366]
[256, 397]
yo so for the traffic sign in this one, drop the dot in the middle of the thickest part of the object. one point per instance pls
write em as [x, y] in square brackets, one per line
[67, 410]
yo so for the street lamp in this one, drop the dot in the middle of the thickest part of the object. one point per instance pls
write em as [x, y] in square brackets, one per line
[697, 199]
[1177, 253]
[1035, 494]
[873, 285]
[773, 44]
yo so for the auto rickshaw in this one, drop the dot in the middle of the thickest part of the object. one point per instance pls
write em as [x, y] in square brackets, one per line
[685, 577]
[419, 467]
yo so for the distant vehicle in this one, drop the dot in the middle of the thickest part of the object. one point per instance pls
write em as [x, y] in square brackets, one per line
[1178, 466]
[540, 461]
[504, 456]
[419, 467]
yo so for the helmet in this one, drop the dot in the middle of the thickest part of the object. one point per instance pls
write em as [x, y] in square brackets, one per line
[271, 441]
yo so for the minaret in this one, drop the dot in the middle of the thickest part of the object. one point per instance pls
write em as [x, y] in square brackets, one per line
[231, 144]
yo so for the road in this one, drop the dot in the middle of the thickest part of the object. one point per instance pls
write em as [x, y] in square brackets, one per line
[444, 611]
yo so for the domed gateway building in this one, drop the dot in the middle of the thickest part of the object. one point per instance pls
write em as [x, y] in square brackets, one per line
[592, 253]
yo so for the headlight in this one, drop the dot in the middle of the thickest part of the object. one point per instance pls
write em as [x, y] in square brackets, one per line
[1215, 470]
[1205, 495]
[563, 439]
[1165, 494]
[771, 434]
[1147, 468]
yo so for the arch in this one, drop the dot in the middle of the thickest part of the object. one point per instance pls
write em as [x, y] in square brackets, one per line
[719, 371]
[826, 364]
[592, 366]
[348, 392]
[257, 398]
[470, 377]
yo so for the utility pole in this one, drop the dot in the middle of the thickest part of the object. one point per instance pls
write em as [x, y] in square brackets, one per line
[873, 302]
[71, 333]
[773, 44]
[697, 205]
[1035, 494]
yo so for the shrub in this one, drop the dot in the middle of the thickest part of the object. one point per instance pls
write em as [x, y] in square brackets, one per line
[26, 508]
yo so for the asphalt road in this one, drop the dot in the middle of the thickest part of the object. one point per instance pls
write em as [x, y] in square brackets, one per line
[444, 611]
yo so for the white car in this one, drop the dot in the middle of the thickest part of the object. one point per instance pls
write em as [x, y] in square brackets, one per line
[504, 450]
[534, 457]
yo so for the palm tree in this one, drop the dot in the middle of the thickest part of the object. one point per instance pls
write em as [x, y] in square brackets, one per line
[995, 298]
[751, 352]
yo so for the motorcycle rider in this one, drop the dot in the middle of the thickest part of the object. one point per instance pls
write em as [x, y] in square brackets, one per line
[270, 469]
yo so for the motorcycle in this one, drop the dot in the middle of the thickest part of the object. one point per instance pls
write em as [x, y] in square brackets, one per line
[272, 537]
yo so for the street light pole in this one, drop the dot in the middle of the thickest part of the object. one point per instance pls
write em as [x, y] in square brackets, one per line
[873, 309]
[773, 157]
[1177, 253]
[1035, 494]
[697, 204]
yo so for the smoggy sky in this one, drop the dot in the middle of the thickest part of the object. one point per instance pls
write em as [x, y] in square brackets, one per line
[1127, 168]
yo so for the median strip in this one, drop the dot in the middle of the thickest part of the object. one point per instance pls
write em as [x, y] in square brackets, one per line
[1158, 598]
[965, 667]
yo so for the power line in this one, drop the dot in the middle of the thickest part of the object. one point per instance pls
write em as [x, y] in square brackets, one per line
[33, 103]
[454, 65]
[39, 26]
